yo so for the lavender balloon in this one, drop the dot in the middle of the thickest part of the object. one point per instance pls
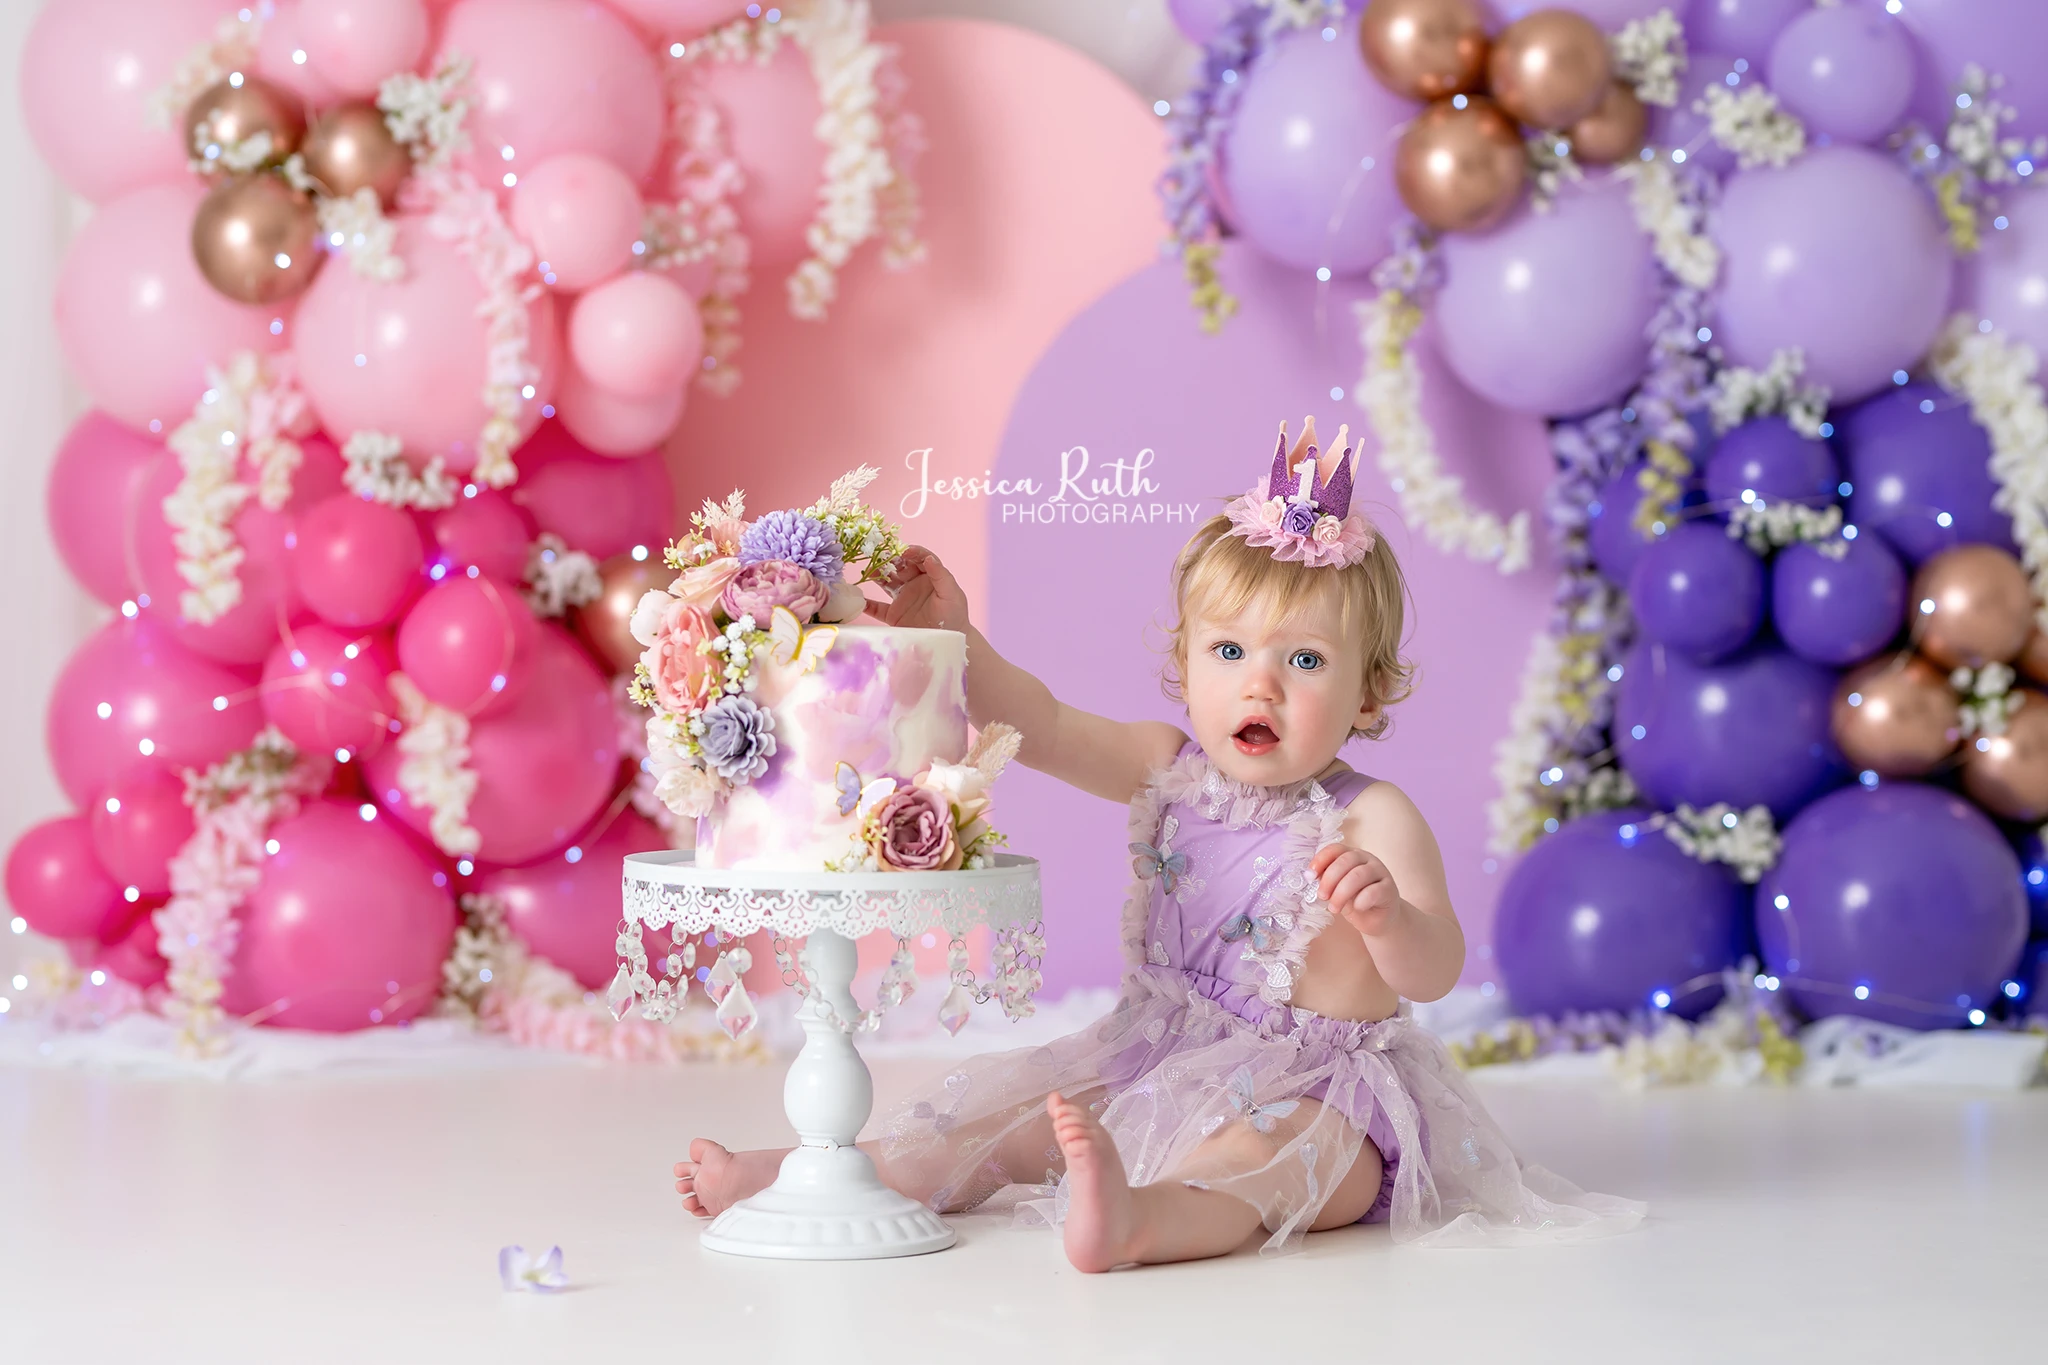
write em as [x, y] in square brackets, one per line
[1846, 72]
[1608, 915]
[1770, 460]
[1838, 611]
[1697, 591]
[1743, 27]
[1608, 14]
[1549, 312]
[1308, 162]
[1904, 892]
[1610, 531]
[2006, 37]
[2006, 282]
[1200, 20]
[1682, 127]
[1752, 730]
[1840, 254]
[1915, 457]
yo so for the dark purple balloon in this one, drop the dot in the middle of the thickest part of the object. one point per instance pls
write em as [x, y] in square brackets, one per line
[1605, 914]
[1751, 730]
[1766, 457]
[2034, 859]
[1915, 455]
[1698, 591]
[1838, 611]
[1904, 891]
[1610, 525]
[2032, 979]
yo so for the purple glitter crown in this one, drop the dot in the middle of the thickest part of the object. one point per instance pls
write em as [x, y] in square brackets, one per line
[1330, 495]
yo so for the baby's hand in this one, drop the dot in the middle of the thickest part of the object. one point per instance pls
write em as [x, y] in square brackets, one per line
[924, 594]
[1357, 885]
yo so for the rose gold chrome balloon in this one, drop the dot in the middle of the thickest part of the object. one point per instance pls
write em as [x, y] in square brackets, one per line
[2008, 774]
[2033, 660]
[1613, 132]
[606, 624]
[254, 239]
[1971, 606]
[235, 109]
[1896, 716]
[1460, 170]
[1425, 49]
[349, 148]
[1549, 69]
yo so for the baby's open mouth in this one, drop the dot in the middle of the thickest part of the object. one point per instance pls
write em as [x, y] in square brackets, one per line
[1255, 737]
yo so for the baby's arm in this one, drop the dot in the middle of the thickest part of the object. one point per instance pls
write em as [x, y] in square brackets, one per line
[1107, 758]
[1395, 894]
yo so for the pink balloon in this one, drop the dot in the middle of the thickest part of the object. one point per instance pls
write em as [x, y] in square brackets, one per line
[347, 928]
[598, 505]
[92, 497]
[554, 76]
[330, 690]
[135, 956]
[138, 323]
[354, 44]
[637, 336]
[582, 215]
[488, 531]
[469, 644]
[87, 76]
[132, 696]
[545, 764]
[565, 907]
[138, 823]
[679, 19]
[55, 882]
[281, 57]
[357, 562]
[612, 423]
[410, 358]
[771, 110]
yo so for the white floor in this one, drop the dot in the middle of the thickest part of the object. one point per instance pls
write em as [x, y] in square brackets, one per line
[358, 1219]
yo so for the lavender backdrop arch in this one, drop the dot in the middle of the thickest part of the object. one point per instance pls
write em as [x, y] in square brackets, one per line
[1080, 603]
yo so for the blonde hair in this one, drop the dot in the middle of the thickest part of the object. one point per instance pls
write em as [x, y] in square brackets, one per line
[1219, 574]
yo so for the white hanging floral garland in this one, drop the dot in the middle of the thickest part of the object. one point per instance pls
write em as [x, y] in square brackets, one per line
[1999, 379]
[434, 773]
[559, 578]
[701, 224]
[375, 467]
[232, 48]
[1750, 123]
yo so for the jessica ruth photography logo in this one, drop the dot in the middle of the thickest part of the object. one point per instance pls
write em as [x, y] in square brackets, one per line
[1083, 489]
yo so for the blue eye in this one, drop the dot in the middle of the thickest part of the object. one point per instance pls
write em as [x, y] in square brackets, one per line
[1307, 660]
[1228, 652]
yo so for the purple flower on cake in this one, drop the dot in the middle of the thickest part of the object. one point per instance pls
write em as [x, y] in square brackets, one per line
[1299, 519]
[738, 738]
[912, 831]
[679, 669]
[701, 585]
[759, 588]
[797, 538]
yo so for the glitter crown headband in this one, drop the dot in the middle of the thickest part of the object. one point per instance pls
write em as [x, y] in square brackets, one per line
[1302, 510]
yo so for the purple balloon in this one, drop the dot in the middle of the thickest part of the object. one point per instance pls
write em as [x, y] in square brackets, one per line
[1915, 456]
[2034, 858]
[2006, 282]
[2005, 37]
[1608, 14]
[1610, 525]
[1698, 591]
[1838, 611]
[1766, 457]
[1308, 161]
[1684, 128]
[1752, 730]
[1846, 72]
[1840, 254]
[2032, 980]
[1549, 312]
[1607, 915]
[1742, 27]
[1902, 891]
[1200, 20]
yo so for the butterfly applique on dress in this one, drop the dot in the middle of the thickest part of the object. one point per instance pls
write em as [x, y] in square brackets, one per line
[1265, 932]
[1166, 863]
[1261, 1116]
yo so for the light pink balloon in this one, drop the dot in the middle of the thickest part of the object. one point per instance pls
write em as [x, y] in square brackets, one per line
[554, 76]
[137, 321]
[356, 563]
[565, 906]
[771, 113]
[468, 644]
[165, 707]
[354, 44]
[637, 336]
[135, 956]
[329, 690]
[613, 424]
[422, 351]
[347, 928]
[55, 882]
[582, 215]
[281, 57]
[679, 19]
[545, 764]
[87, 75]
[597, 504]
[138, 823]
[91, 499]
[488, 531]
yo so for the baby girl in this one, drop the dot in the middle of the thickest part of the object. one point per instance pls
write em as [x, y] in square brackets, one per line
[1260, 1069]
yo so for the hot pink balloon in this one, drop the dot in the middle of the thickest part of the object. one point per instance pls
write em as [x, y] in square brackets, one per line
[347, 928]
[545, 764]
[581, 214]
[488, 531]
[132, 695]
[138, 823]
[281, 57]
[55, 882]
[771, 109]
[565, 907]
[679, 19]
[612, 423]
[357, 562]
[92, 498]
[329, 690]
[637, 336]
[354, 44]
[410, 357]
[137, 322]
[87, 76]
[598, 505]
[135, 956]
[554, 76]
[468, 644]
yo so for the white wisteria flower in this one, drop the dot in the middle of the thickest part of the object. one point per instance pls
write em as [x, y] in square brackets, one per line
[376, 468]
[356, 227]
[1741, 394]
[1999, 380]
[559, 578]
[1750, 123]
[1648, 56]
[1745, 840]
[1676, 227]
[434, 772]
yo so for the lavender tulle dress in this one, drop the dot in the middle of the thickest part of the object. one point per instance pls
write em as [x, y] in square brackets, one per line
[1203, 1073]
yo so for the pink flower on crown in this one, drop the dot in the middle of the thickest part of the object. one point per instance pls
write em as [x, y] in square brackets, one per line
[1328, 530]
[1271, 512]
[681, 670]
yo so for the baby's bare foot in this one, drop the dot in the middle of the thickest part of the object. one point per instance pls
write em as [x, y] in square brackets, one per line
[1102, 1218]
[713, 1179]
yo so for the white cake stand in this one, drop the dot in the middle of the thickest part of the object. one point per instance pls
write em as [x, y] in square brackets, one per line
[827, 1203]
